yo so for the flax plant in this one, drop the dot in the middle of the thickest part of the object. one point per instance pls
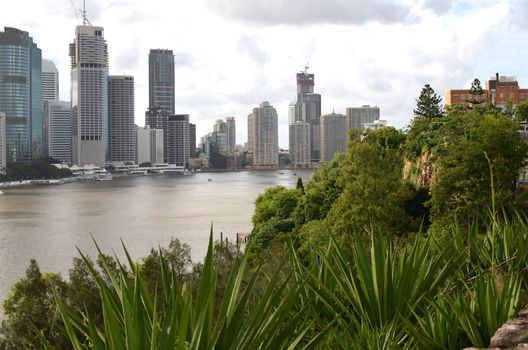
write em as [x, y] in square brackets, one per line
[247, 318]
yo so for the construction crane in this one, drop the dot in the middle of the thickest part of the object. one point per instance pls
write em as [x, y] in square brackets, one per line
[306, 66]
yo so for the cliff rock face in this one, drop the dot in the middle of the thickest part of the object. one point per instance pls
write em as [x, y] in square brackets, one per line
[512, 335]
[421, 171]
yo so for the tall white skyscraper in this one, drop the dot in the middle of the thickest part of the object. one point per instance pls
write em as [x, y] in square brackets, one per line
[50, 81]
[57, 140]
[89, 94]
[265, 135]
[121, 128]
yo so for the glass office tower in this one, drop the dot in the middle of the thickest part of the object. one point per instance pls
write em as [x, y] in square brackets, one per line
[21, 94]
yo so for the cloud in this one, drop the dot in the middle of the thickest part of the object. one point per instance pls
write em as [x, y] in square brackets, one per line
[439, 7]
[183, 59]
[310, 12]
[519, 14]
[248, 44]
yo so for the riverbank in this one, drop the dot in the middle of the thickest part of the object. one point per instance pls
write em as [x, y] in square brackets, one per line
[42, 182]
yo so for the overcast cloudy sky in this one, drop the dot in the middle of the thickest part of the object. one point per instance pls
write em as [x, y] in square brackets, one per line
[233, 54]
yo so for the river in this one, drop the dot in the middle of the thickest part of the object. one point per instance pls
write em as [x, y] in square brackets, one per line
[49, 223]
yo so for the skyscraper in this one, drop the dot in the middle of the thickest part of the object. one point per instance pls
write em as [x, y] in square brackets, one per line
[299, 143]
[156, 118]
[89, 94]
[21, 94]
[149, 146]
[231, 134]
[308, 110]
[161, 80]
[3, 155]
[265, 135]
[357, 116]
[220, 136]
[121, 128]
[57, 138]
[334, 136]
[192, 140]
[250, 123]
[50, 81]
[178, 140]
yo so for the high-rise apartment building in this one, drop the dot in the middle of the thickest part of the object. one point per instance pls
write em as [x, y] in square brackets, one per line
[149, 146]
[220, 136]
[178, 140]
[57, 139]
[299, 143]
[334, 136]
[50, 81]
[500, 91]
[357, 116]
[310, 112]
[161, 80]
[157, 118]
[293, 113]
[21, 94]
[231, 134]
[192, 140]
[3, 153]
[250, 124]
[265, 135]
[89, 95]
[121, 128]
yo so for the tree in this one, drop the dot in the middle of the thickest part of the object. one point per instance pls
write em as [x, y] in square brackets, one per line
[521, 112]
[300, 185]
[472, 148]
[475, 92]
[373, 191]
[30, 309]
[178, 257]
[428, 104]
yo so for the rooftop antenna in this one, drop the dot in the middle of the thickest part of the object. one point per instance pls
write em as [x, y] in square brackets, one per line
[83, 11]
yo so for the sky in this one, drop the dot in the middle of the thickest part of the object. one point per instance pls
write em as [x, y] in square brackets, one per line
[233, 54]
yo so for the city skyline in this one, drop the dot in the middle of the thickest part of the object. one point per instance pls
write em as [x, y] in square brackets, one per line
[392, 47]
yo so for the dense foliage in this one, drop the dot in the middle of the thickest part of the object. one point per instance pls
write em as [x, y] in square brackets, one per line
[409, 240]
[38, 169]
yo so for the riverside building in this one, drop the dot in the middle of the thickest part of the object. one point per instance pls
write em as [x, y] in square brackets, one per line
[265, 135]
[299, 143]
[334, 135]
[57, 138]
[50, 81]
[161, 80]
[21, 94]
[89, 95]
[121, 128]
[178, 139]
[3, 155]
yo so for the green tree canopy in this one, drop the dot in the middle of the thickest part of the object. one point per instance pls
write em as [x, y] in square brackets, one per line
[428, 104]
[469, 143]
